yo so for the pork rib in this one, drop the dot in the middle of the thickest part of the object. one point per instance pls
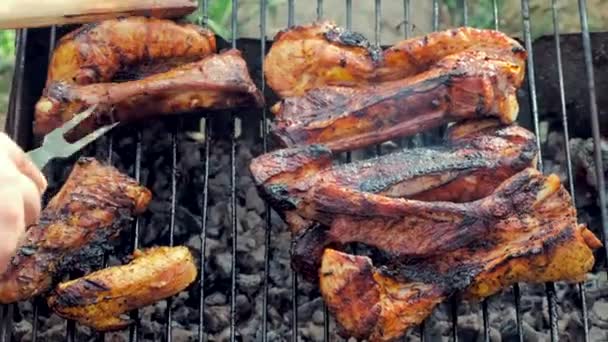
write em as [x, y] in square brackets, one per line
[321, 54]
[91, 208]
[468, 85]
[215, 82]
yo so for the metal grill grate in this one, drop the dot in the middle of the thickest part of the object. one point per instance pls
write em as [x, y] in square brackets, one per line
[18, 127]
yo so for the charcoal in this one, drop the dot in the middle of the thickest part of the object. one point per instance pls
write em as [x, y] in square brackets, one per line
[318, 317]
[251, 220]
[254, 201]
[243, 306]
[249, 283]
[185, 335]
[224, 263]
[215, 298]
[22, 331]
[217, 317]
[306, 310]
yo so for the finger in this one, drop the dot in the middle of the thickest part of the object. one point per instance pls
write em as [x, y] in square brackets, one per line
[31, 200]
[23, 162]
[12, 225]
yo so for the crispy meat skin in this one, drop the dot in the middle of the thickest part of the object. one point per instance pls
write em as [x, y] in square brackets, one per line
[312, 56]
[477, 157]
[467, 85]
[215, 82]
[91, 208]
[385, 302]
[100, 298]
[96, 52]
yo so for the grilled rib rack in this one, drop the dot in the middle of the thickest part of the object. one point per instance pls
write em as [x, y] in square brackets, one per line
[29, 79]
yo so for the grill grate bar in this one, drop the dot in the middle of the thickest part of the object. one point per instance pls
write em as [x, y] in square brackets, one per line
[203, 9]
[294, 275]
[435, 15]
[325, 309]
[465, 13]
[560, 75]
[168, 311]
[134, 328]
[203, 236]
[377, 21]
[486, 320]
[454, 315]
[495, 14]
[407, 26]
[319, 9]
[268, 224]
[595, 125]
[233, 214]
[349, 14]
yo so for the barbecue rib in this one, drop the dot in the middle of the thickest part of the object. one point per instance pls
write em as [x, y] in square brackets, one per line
[99, 299]
[97, 52]
[215, 82]
[467, 85]
[383, 303]
[91, 208]
[312, 56]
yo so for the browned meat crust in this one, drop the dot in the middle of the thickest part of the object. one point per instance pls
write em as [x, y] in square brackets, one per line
[545, 244]
[215, 82]
[96, 52]
[478, 157]
[91, 208]
[317, 55]
[467, 85]
[99, 299]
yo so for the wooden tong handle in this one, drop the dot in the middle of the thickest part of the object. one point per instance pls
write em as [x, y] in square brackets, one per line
[38, 13]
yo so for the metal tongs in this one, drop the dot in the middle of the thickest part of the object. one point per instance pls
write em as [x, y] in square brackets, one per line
[54, 144]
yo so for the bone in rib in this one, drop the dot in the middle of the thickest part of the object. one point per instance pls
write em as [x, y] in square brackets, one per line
[468, 85]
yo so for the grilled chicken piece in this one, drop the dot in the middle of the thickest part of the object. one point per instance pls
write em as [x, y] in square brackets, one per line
[215, 82]
[468, 85]
[97, 52]
[91, 208]
[307, 57]
[99, 299]
[383, 303]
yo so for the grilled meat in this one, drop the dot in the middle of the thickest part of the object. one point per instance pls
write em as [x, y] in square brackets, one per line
[467, 85]
[97, 52]
[477, 157]
[99, 299]
[307, 57]
[90, 209]
[215, 82]
[384, 302]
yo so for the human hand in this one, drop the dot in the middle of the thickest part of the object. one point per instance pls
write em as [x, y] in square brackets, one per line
[21, 187]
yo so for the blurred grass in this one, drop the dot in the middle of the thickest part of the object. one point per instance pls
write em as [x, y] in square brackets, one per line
[7, 58]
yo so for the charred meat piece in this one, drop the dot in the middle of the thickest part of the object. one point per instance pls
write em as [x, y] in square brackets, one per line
[477, 157]
[468, 85]
[312, 56]
[215, 82]
[99, 299]
[91, 208]
[410, 229]
[384, 302]
[97, 52]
